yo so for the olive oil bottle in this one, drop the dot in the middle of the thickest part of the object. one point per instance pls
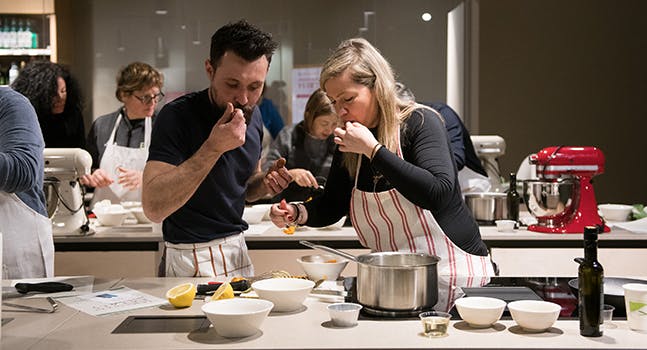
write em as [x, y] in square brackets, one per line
[513, 199]
[590, 278]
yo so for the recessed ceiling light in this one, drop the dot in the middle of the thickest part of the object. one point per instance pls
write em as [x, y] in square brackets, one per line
[161, 12]
[426, 16]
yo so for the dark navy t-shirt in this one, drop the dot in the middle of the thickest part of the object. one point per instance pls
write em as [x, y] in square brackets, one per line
[215, 209]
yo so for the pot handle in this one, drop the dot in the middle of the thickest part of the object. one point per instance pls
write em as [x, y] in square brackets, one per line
[329, 250]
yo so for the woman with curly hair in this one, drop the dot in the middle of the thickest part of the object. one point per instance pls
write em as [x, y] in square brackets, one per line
[56, 97]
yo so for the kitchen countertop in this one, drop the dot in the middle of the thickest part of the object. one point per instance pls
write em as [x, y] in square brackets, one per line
[267, 236]
[306, 329]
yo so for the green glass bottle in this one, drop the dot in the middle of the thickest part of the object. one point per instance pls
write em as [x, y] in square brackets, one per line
[591, 286]
[513, 199]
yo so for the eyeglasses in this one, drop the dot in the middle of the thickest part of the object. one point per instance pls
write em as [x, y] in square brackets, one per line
[150, 98]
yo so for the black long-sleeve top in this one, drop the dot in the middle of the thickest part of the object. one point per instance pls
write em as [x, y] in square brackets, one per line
[427, 177]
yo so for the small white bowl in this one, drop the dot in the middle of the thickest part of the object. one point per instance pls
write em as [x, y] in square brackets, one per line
[254, 214]
[344, 314]
[322, 266]
[534, 315]
[131, 204]
[337, 225]
[138, 212]
[505, 225]
[287, 294]
[480, 312]
[615, 212]
[238, 317]
[111, 218]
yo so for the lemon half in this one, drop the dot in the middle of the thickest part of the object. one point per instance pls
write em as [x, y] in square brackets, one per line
[223, 292]
[181, 295]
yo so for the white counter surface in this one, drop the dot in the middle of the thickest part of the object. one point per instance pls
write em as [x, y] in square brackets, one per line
[266, 231]
[306, 329]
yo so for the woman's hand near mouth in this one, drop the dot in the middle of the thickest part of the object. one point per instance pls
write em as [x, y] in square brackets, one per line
[355, 138]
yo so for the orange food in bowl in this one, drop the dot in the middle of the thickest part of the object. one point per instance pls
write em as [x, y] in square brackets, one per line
[289, 230]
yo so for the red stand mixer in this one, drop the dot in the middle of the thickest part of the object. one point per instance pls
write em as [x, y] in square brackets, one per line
[562, 199]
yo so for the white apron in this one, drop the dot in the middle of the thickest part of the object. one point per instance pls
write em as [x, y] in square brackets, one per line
[116, 156]
[226, 256]
[387, 221]
[28, 244]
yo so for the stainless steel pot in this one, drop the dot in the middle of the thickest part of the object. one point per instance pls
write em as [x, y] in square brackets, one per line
[393, 281]
[488, 206]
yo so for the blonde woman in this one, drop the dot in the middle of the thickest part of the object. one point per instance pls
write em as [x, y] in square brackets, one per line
[393, 172]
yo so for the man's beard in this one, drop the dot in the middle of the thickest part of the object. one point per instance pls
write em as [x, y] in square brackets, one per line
[247, 110]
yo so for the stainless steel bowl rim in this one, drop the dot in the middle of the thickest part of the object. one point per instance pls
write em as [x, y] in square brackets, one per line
[485, 195]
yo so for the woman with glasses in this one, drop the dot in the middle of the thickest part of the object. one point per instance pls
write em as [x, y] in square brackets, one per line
[118, 142]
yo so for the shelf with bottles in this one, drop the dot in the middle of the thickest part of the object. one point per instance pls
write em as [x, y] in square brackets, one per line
[24, 35]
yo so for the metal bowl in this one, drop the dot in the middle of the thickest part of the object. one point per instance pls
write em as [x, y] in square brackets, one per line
[550, 200]
[487, 207]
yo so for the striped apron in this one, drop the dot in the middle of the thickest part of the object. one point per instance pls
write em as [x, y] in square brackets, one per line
[387, 221]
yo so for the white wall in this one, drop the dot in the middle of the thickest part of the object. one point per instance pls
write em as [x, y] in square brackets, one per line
[126, 31]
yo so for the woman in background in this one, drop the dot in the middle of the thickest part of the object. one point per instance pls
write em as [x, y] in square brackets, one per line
[307, 147]
[56, 97]
[118, 142]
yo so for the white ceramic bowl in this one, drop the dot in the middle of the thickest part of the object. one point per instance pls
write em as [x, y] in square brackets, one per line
[111, 218]
[505, 225]
[337, 225]
[322, 266]
[615, 212]
[344, 314]
[131, 204]
[138, 212]
[480, 312]
[238, 317]
[534, 315]
[254, 214]
[287, 294]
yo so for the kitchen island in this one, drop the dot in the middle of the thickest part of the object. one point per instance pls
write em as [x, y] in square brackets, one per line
[135, 250]
[308, 328]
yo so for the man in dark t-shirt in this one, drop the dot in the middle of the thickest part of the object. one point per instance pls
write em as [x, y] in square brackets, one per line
[204, 160]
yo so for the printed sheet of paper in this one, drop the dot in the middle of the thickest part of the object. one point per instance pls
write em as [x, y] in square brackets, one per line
[112, 301]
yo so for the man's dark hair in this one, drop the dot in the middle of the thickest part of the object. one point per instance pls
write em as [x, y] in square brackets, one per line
[244, 40]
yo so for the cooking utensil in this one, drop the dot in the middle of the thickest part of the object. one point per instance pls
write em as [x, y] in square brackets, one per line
[26, 308]
[613, 292]
[488, 206]
[43, 287]
[393, 281]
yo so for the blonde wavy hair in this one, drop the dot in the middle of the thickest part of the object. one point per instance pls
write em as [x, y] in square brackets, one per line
[369, 68]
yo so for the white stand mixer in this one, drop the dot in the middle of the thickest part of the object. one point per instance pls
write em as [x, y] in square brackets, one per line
[489, 148]
[63, 167]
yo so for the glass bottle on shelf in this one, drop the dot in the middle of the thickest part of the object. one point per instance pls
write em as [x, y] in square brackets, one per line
[513, 199]
[13, 72]
[34, 36]
[590, 279]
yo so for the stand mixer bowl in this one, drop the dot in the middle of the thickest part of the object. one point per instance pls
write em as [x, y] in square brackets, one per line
[51, 195]
[552, 202]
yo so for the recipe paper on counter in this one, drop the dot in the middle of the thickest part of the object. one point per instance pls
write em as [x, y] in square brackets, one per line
[112, 301]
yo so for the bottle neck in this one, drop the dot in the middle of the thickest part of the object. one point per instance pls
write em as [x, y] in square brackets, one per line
[590, 250]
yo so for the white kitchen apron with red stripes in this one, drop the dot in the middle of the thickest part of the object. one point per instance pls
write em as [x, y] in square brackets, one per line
[387, 221]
